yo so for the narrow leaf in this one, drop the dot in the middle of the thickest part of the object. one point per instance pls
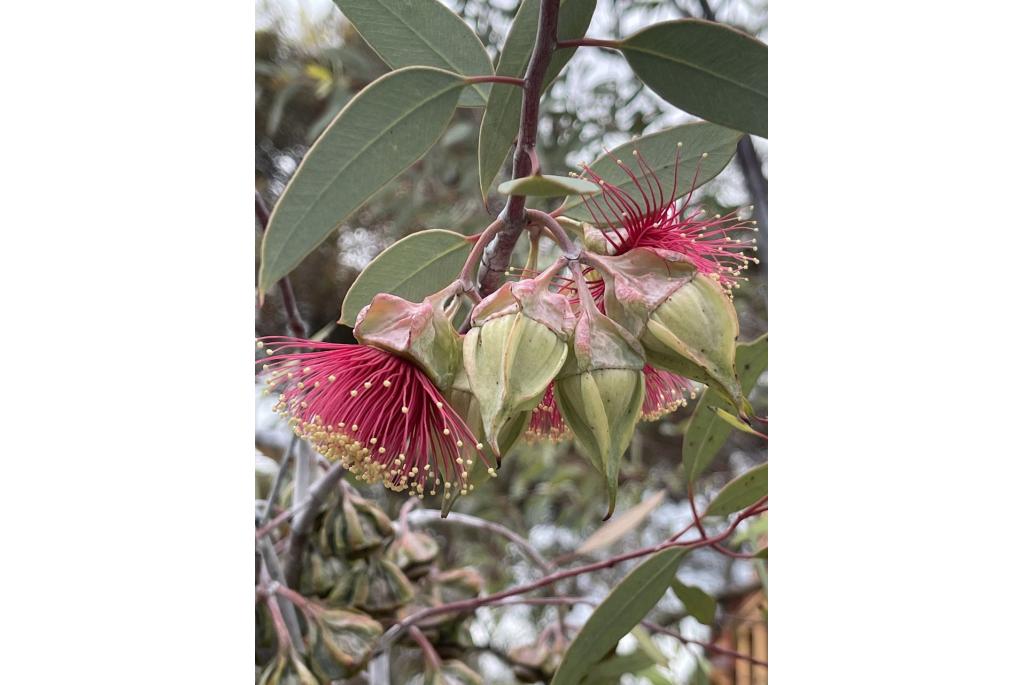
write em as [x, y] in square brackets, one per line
[414, 267]
[609, 671]
[740, 492]
[646, 644]
[619, 526]
[379, 134]
[425, 33]
[735, 422]
[659, 151]
[624, 607]
[504, 105]
[698, 603]
[707, 69]
[540, 185]
[707, 432]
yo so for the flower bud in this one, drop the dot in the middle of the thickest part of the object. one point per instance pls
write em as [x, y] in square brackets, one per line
[287, 669]
[417, 331]
[601, 390]
[517, 344]
[594, 240]
[684, 319]
[340, 642]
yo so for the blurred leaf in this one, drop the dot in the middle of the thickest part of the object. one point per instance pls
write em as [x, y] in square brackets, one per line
[655, 676]
[624, 607]
[648, 645]
[707, 69]
[540, 185]
[619, 526]
[422, 33]
[500, 122]
[762, 553]
[381, 132]
[698, 603]
[740, 492]
[609, 671]
[701, 672]
[412, 268]
[659, 150]
[707, 432]
[280, 101]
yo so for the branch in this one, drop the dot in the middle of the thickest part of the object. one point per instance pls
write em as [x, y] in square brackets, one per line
[296, 326]
[423, 516]
[477, 602]
[497, 258]
[650, 625]
[304, 522]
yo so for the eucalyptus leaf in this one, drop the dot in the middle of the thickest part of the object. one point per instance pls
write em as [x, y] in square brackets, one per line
[540, 185]
[379, 134]
[740, 492]
[734, 421]
[500, 122]
[619, 526]
[425, 33]
[705, 68]
[707, 432]
[659, 151]
[698, 603]
[412, 268]
[625, 606]
[609, 671]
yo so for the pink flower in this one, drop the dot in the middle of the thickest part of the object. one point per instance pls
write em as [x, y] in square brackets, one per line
[546, 422]
[663, 222]
[665, 392]
[377, 413]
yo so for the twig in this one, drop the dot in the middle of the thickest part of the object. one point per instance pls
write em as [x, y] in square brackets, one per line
[650, 625]
[475, 603]
[275, 489]
[524, 158]
[428, 649]
[423, 516]
[304, 522]
[271, 571]
[295, 323]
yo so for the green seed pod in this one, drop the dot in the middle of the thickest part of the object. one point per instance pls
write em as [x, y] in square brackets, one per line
[419, 332]
[600, 391]
[389, 589]
[287, 669]
[684, 319]
[518, 342]
[340, 642]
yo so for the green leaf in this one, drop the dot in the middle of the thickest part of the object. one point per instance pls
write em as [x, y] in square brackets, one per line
[412, 268]
[609, 671]
[646, 644]
[698, 603]
[655, 676]
[500, 122]
[379, 134]
[740, 492]
[425, 33]
[707, 432]
[659, 151]
[540, 185]
[762, 553]
[624, 607]
[734, 421]
[620, 525]
[708, 69]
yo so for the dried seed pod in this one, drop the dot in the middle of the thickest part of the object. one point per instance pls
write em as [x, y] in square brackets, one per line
[287, 669]
[340, 642]
[388, 587]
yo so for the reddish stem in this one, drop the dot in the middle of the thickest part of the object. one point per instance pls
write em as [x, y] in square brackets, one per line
[588, 42]
[511, 80]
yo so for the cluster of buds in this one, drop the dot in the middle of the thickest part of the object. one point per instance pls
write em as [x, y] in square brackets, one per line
[645, 311]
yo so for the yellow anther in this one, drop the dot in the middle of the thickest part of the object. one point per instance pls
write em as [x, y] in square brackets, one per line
[458, 443]
[332, 378]
[387, 383]
[491, 472]
[405, 410]
[447, 432]
[439, 404]
[367, 385]
[353, 393]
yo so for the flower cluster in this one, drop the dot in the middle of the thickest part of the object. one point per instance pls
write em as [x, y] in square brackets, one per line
[585, 349]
